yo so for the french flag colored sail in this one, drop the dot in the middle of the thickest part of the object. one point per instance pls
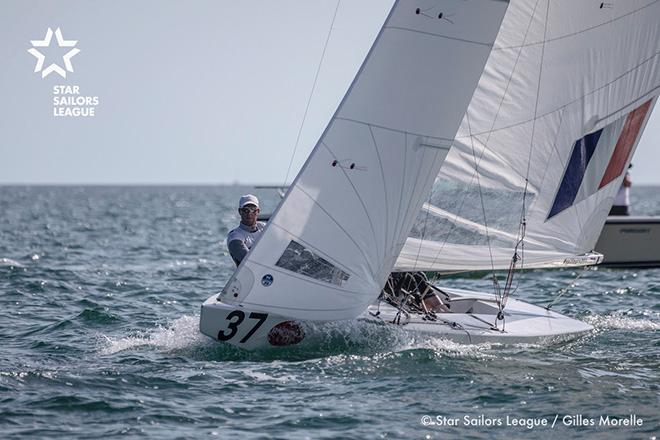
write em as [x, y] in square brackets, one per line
[586, 172]
[625, 143]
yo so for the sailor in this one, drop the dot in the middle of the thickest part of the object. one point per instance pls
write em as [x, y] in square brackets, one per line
[241, 239]
[621, 204]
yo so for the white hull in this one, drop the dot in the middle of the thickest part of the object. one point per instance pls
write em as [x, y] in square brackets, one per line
[471, 321]
[630, 241]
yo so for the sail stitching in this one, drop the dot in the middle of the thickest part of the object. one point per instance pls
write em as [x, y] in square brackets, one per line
[350, 237]
[369, 124]
[403, 179]
[414, 190]
[563, 108]
[311, 94]
[506, 88]
[364, 206]
[581, 31]
[382, 174]
[578, 99]
[416, 31]
[556, 150]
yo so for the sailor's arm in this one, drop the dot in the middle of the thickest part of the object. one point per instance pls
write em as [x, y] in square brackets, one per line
[237, 250]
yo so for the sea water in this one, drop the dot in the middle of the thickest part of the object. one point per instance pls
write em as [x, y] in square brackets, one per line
[100, 292]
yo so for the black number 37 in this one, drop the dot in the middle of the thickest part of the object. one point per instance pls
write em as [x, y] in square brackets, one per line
[235, 319]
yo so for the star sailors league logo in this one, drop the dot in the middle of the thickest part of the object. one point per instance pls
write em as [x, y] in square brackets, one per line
[53, 67]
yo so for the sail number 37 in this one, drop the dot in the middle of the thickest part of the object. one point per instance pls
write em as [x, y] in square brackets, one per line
[235, 319]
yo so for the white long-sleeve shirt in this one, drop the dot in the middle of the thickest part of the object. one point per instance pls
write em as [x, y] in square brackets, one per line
[241, 239]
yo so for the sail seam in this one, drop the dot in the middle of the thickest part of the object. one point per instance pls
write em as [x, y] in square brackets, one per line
[606, 85]
[369, 124]
[382, 174]
[357, 194]
[416, 31]
[508, 83]
[556, 151]
[403, 179]
[561, 37]
[414, 189]
[350, 237]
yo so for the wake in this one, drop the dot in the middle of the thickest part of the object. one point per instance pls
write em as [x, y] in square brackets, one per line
[356, 337]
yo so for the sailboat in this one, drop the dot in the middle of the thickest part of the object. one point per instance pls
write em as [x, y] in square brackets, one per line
[476, 135]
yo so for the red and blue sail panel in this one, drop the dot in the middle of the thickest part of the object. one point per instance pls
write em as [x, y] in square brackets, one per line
[581, 180]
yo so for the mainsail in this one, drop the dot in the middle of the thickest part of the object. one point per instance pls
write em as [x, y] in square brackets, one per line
[331, 244]
[546, 140]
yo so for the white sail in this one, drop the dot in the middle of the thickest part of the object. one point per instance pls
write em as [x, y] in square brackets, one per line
[331, 244]
[554, 122]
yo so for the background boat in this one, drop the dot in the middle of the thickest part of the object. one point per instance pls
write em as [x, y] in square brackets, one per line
[630, 241]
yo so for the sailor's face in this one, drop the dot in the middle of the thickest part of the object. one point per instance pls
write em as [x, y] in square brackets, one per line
[249, 214]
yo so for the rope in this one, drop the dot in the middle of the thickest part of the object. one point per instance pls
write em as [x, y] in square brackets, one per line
[311, 94]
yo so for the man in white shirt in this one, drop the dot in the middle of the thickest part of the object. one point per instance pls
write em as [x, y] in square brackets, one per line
[241, 239]
[621, 205]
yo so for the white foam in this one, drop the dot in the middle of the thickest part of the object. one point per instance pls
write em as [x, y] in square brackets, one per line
[260, 376]
[9, 262]
[620, 322]
[446, 347]
[389, 338]
[181, 333]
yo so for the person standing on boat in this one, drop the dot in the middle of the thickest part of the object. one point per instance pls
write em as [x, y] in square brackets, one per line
[241, 239]
[621, 204]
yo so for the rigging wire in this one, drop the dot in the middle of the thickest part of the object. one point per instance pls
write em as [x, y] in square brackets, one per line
[568, 287]
[522, 229]
[311, 94]
[496, 285]
[490, 131]
[423, 236]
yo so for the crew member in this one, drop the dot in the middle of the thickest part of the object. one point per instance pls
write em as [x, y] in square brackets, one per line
[241, 239]
[621, 204]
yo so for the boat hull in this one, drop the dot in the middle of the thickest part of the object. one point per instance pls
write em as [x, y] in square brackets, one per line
[630, 241]
[472, 321]
[523, 322]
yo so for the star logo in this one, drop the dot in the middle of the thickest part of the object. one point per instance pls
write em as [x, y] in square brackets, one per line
[61, 42]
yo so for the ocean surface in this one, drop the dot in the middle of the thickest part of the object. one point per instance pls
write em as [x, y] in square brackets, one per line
[100, 292]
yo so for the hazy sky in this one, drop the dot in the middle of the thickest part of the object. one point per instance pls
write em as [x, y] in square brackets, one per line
[189, 92]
